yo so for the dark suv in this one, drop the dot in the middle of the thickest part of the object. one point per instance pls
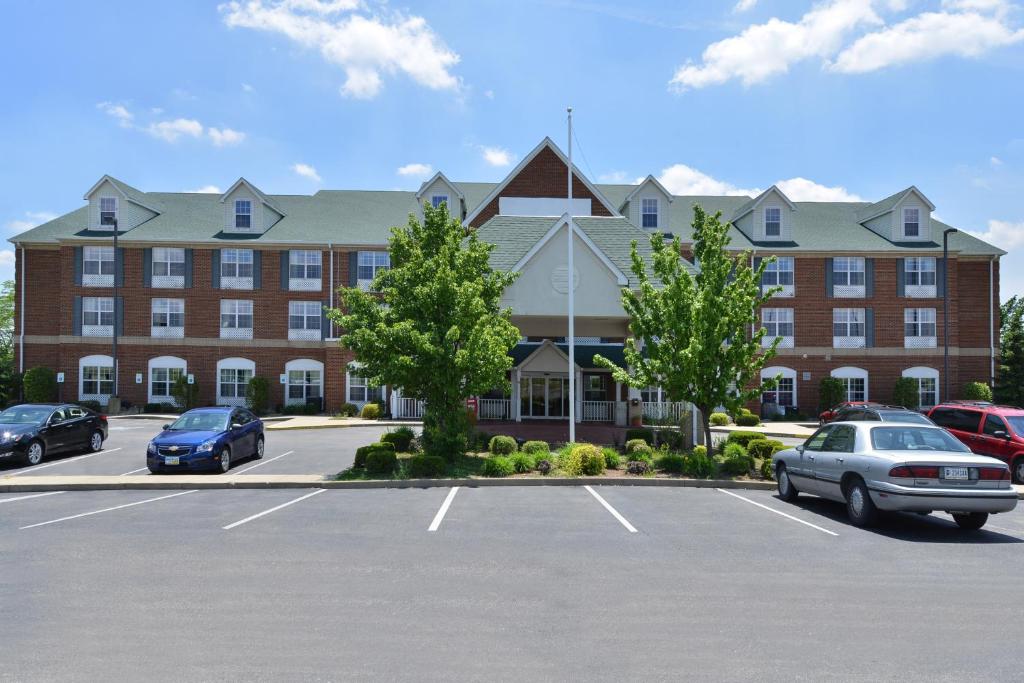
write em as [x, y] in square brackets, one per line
[874, 412]
[987, 429]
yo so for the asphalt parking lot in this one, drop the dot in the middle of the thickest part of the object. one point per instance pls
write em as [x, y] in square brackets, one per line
[608, 583]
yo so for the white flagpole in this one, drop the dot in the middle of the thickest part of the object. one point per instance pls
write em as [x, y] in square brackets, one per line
[571, 280]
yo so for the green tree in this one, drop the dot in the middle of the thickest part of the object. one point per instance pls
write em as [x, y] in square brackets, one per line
[40, 385]
[1010, 382]
[976, 391]
[695, 329]
[257, 395]
[434, 325]
[9, 385]
[831, 392]
[904, 393]
[186, 395]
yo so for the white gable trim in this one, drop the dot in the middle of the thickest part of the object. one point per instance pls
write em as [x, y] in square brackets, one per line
[439, 176]
[546, 142]
[116, 184]
[761, 198]
[910, 190]
[255, 191]
[547, 343]
[620, 277]
[648, 180]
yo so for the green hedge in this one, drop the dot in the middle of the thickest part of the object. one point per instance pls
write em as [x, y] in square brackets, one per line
[670, 464]
[348, 410]
[523, 462]
[257, 395]
[370, 411]
[40, 385]
[380, 461]
[536, 447]
[764, 448]
[502, 445]
[634, 446]
[747, 420]
[425, 466]
[401, 438]
[743, 438]
[719, 419]
[698, 464]
[363, 452]
[497, 466]
[612, 460]
[972, 391]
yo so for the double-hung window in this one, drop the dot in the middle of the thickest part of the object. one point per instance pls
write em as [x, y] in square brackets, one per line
[303, 385]
[848, 328]
[848, 276]
[304, 318]
[919, 328]
[784, 393]
[371, 263]
[243, 214]
[236, 268]
[927, 392]
[772, 221]
[439, 199]
[911, 221]
[168, 267]
[161, 381]
[919, 277]
[780, 273]
[108, 212]
[304, 270]
[97, 380]
[360, 391]
[649, 213]
[235, 319]
[97, 316]
[234, 382]
[98, 266]
[777, 322]
[168, 318]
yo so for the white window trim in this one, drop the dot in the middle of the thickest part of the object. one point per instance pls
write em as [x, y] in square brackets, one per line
[99, 361]
[919, 373]
[167, 281]
[903, 223]
[167, 331]
[919, 341]
[848, 341]
[305, 284]
[764, 222]
[235, 214]
[235, 332]
[305, 333]
[160, 363]
[787, 373]
[353, 371]
[436, 199]
[783, 316]
[848, 372]
[301, 365]
[233, 364]
[849, 291]
[235, 281]
[919, 291]
[366, 283]
[100, 279]
[786, 290]
[117, 213]
[657, 213]
[99, 330]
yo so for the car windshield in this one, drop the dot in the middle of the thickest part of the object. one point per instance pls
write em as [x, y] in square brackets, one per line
[203, 422]
[915, 439]
[904, 416]
[26, 415]
[1016, 423]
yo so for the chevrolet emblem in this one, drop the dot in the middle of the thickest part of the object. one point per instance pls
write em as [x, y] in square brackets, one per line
[173, 448]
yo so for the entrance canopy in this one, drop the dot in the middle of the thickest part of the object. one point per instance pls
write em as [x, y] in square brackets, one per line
[550, 357]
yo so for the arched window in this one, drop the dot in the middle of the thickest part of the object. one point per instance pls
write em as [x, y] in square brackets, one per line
[855, 380]
[927, 385]
[233, 375]
[305, 381]
[784, 394]
[95, 378]
[163, 372]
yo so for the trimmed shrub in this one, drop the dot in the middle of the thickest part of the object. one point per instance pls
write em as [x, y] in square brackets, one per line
[543, 466]
[638, 467]
[904, 393]
[767, 471]
[425, 466]
[363, 452]
[535, 447]
[591, 459]
[477, 441]
[380, 461]
[671, 464]
[736, 460]
[348, 410]
[522, 462]
[40, 385]
[698, 465]
[640, 433]
[569, 461]
[702, 451]
[612, 460]
[94, 406]
[401, 438]
[370, 411]
[300, 409]
[831, 392]
[503, 445]
[159, 408]
[497, 466]
[257, 395]
[748, 419]
[765, 448]
[719, 419]
[972, 391]
[673, 438]
[743, 438]
[638, 446]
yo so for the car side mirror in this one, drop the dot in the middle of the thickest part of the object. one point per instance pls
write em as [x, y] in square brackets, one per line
[166, 427]
[800, 448]
[236, 425]
[1001, 434]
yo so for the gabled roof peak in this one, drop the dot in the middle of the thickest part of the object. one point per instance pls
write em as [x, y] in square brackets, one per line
[252, 188]
[886, 205]
[650, 179]
[433, 179]
[126, 191]
[753, 203]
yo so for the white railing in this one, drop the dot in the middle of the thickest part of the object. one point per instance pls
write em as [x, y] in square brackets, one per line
[598, 411]
[494, 409]
[664, 410]
[409, 408]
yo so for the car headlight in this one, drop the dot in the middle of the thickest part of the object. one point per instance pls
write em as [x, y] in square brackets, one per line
[151, 448]
[7, 437]
[206, 446]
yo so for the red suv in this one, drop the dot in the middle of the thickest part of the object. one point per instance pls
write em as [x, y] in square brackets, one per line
[996, 431]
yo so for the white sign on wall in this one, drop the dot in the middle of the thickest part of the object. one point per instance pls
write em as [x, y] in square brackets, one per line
[191, 379]
[138, 378]
[60, 378]
[284, 379]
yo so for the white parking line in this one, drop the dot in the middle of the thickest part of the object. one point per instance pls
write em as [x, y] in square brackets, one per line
[261, 463]
[34, 495]
[615, 513]
[778, 512]
[443, 510]
[62, 462]
[273, 509]
[116, 507]
[141, 469]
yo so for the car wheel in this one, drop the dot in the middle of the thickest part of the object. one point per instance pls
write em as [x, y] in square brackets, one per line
[34, 453]
[153, 470]
[971, 521]
[260, 447]
[1018, 470]
[96, 441]
[859, 506]
[787, 491]
[225, 459]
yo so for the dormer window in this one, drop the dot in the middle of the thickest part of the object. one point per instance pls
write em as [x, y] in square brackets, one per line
[772, 221]
[243, 214]
[438, 199]
[911, 222]
[108, 211]
[649, 213]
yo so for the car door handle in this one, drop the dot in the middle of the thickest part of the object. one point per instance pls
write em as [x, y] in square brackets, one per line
[811, 458]
[839, 460]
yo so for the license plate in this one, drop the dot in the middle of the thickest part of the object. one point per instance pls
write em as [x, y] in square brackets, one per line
[955, 473]
[171, 459]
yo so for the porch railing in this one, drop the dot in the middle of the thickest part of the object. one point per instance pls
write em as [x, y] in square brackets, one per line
[598, 411]
[664, 410]
[494, 409]
[409, 408]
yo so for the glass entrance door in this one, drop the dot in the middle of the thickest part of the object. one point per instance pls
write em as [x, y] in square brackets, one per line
[544, 397]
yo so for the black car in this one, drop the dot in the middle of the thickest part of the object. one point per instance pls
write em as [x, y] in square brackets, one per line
[30, 431]
[880, 413]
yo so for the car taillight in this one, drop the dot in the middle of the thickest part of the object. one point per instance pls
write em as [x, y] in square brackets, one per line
[994, 474]
[103, 417]
[915, 472]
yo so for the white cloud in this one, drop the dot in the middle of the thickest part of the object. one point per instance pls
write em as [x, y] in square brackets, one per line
[769, 49]
[171, 131]
[222, 137]
[207, 189]
[31, 220]
[307, 171]
[489, 94]
[118, 112]
[1003, 234]
[247, 88]
[995, 161]
[496, 156]
[684, 180]
[744, 6]
[972, 29]
[804, 190]
[365, 47]
[7, 258]
[415, 170]
[614, 178]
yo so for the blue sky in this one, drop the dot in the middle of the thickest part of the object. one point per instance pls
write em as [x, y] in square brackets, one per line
[836, 99]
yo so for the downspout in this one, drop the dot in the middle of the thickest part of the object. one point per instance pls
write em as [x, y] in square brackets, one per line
[21, 314]
[991, 322]
[330, 284]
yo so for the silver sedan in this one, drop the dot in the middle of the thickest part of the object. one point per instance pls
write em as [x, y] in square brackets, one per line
[892, 466]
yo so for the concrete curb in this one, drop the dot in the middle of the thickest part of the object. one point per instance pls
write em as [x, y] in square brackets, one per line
[284, 481]
[343, 425]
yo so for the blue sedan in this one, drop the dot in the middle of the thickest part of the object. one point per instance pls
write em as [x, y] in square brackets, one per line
[206, 439]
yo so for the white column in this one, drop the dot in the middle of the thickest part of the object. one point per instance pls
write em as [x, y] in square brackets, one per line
[515, 396]
[578, 376]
